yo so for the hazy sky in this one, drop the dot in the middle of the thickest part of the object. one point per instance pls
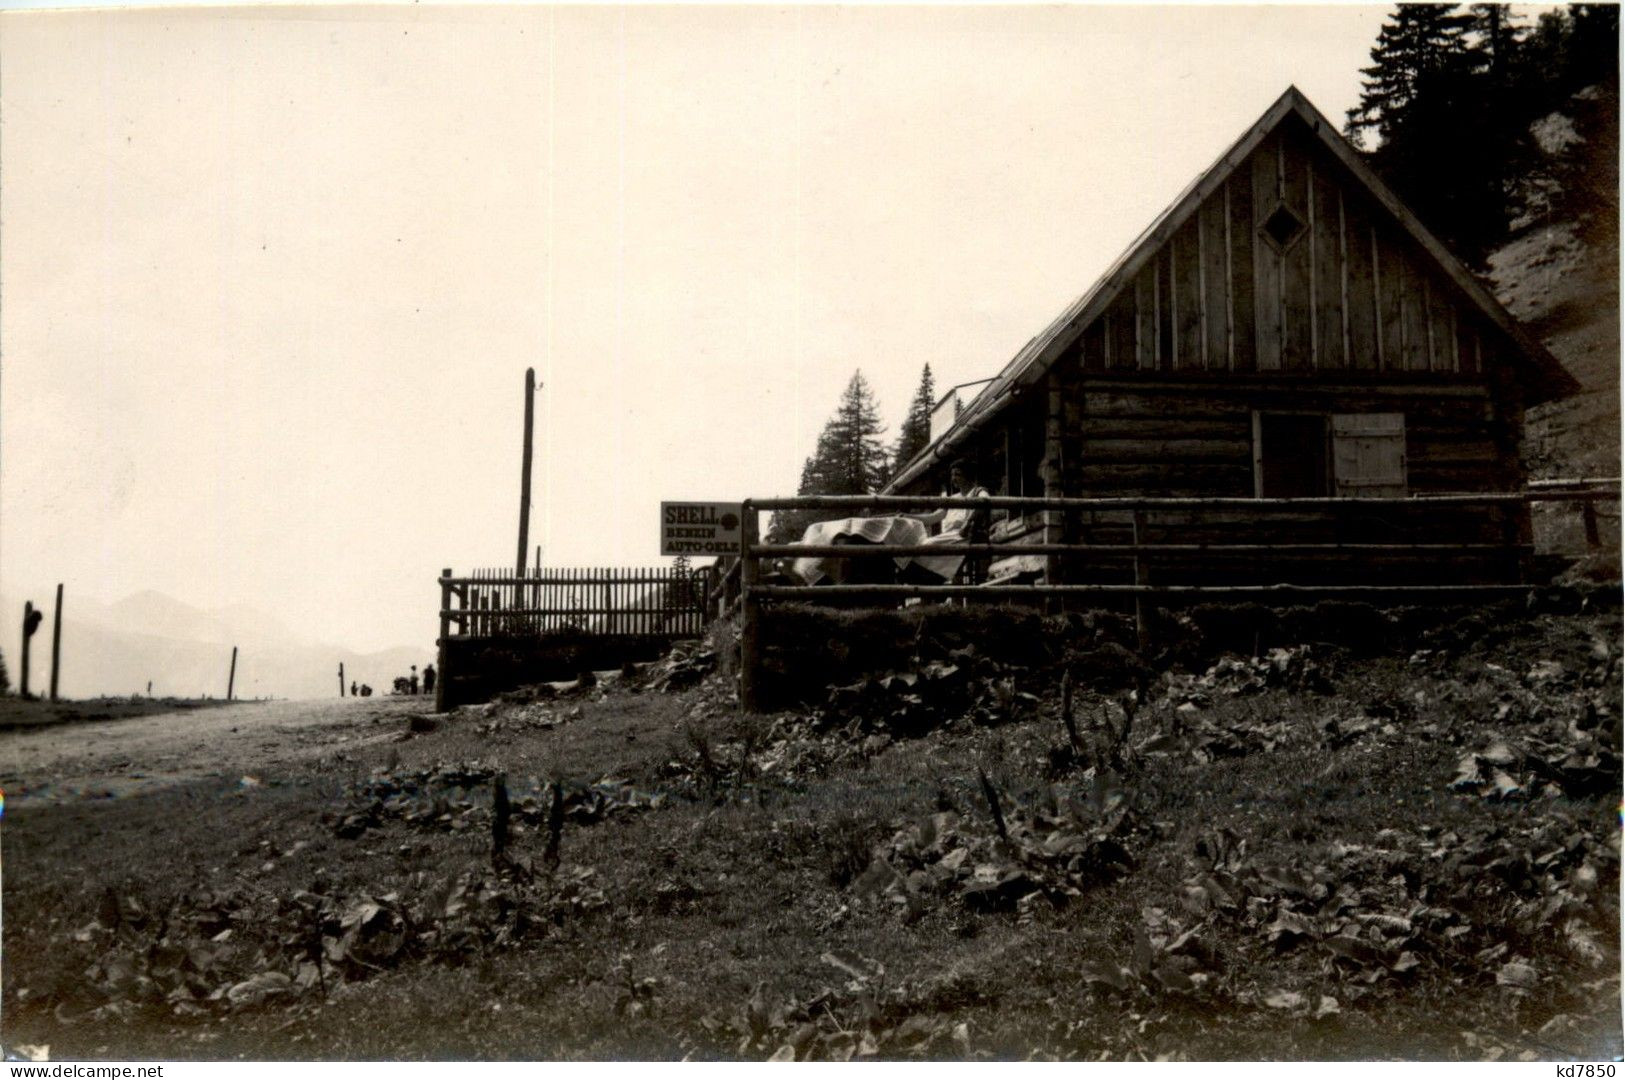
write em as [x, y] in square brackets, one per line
[269, 279]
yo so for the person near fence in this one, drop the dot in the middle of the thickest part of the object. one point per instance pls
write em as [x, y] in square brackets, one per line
[352, 688]
[428, 678]
[413, 681]
[959, 526]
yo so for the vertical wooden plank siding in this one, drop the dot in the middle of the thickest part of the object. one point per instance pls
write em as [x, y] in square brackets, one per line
[1362, 303]
[1343, 276]
[1187, 291]
[1201, 281]
[1215, 285]
[1458, 343]
[1173, 302]
[1243, 270]
[1413, 313]
[1145, 321]
[1390, 307]
[1266, 263]
[1317, 254]
[1467, 346]
[1229, 286]
[1165, 317]
[1124, 330]
[1330, 282]
[1096, 351]
[1297, 300]
[1441, 327]
[1428, 325]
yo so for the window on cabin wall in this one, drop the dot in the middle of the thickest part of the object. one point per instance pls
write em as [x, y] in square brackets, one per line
[1368, 455]
[1348, 455]
[1023, 472]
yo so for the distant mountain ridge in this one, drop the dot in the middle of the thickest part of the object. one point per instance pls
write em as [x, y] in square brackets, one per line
[116, 649]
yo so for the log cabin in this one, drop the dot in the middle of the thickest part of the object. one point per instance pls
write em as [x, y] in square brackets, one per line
[1285, 329]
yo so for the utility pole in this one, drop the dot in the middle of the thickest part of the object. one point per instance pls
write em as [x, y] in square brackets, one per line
[56, 640]
[231, 680]
[524, 471]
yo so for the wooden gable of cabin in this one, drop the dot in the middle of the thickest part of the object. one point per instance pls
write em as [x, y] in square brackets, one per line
[1290, 265]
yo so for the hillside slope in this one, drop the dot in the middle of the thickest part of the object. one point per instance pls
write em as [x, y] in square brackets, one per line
[1402, 849]
[1567, 294]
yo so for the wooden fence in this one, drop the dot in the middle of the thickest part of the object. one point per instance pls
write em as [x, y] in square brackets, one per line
[1135, 553]
[661, 601]
[630, 604]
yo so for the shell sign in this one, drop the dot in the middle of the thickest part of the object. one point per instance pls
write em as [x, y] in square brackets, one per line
[688, 528]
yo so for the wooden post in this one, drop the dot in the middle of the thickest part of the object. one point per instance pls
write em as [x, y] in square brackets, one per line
[442, 676]
[231, 680]
[31, 621]
[56, 625]
[1142, 628]
[341, 678]
[751, 614]
[1588, 508]
[524, 471]
[1054, 472]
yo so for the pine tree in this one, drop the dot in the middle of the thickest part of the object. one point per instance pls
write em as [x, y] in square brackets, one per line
[850, 459]
[680, 590]
[860, 464]
[1593, 52]
[916, 432]
[1416, 46]
[1442, 144]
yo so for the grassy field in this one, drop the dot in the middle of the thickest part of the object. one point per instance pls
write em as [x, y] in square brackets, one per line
[1405, 851]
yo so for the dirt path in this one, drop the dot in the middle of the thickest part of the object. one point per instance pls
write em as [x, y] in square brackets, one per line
[106, 759]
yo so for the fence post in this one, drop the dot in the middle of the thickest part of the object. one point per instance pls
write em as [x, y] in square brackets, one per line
[444, 676]
[31, 621]
[1142, 627]
[750, 609]
[1593, 536]
[56, 621]
[1053, 472]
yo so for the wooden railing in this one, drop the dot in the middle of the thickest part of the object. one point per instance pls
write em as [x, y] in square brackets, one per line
[1587, 489]
[754, 591]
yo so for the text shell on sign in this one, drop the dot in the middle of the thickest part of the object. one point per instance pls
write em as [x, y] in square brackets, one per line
[695, 528]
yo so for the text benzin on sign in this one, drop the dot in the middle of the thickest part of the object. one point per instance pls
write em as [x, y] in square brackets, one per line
[696, 528]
